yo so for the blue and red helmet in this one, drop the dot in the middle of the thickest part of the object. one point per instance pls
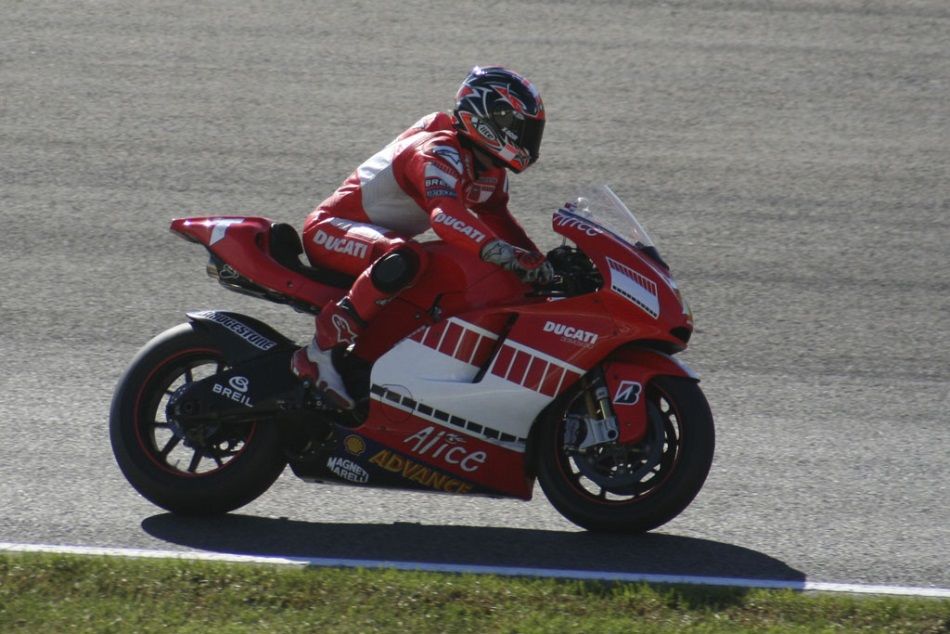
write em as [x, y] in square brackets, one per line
[502, 114]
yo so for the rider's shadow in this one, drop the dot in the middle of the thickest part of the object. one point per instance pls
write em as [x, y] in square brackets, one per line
[653, 553]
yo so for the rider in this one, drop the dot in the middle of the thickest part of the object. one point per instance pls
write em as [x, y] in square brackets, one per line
[447, 173]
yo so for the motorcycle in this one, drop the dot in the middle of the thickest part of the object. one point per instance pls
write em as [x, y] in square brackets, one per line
[469, 382]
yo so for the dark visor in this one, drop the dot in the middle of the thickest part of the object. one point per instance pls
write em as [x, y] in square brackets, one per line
[530, 137]
[527, 131]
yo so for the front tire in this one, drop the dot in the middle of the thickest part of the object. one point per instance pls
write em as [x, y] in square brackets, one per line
[635, 488]
[201, 470]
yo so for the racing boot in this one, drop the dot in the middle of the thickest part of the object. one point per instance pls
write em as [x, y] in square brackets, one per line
[337, 324]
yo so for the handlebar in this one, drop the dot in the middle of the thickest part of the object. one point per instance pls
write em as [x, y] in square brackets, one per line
[574, 274]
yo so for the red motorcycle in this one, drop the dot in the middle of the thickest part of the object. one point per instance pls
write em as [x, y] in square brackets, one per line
[470, 382]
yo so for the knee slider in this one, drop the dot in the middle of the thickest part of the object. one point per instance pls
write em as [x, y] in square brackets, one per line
[395, 270]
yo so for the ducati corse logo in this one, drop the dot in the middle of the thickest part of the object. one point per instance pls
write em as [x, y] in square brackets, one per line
[575, 335]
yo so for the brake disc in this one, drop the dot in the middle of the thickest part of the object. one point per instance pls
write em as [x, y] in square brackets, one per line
[621, 468]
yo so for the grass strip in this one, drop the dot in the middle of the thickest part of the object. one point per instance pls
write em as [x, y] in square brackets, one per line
[52, 593]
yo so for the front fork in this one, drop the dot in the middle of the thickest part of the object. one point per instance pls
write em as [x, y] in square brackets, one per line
[615, 398]
[598, 426]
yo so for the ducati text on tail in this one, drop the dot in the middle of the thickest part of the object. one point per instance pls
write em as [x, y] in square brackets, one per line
[469, 382]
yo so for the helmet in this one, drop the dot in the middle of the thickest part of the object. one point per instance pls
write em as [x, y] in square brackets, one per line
[501, 112]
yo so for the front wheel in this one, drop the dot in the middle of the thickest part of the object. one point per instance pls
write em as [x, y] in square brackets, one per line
[630, 488]
[197, 469]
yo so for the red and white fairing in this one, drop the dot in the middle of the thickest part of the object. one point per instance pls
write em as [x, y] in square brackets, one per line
[462, 376]
[484, 356]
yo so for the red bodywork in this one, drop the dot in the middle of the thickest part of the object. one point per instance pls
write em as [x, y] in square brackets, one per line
[539, 345]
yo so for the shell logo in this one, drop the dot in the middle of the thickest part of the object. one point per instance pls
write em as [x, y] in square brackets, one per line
[354, 445]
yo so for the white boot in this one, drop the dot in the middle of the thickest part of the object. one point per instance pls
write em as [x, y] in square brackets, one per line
[313, 364]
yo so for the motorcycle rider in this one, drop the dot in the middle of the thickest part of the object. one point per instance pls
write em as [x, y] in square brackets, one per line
[447, 173]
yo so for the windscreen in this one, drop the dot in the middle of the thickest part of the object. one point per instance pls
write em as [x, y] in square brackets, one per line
[599, 204]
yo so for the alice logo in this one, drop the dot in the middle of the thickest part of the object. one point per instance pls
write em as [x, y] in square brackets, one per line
[448, 447]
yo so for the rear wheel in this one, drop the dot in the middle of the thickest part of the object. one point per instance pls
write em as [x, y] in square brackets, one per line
[198, 469]
[630, 488]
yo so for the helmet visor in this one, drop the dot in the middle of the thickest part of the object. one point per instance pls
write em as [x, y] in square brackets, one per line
[526, 132]
[530, 138]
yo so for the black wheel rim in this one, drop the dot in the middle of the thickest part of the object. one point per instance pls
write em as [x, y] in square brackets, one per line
[620, 475]
[195, 452]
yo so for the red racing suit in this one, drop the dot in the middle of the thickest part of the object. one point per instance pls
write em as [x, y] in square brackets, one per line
[426, 178]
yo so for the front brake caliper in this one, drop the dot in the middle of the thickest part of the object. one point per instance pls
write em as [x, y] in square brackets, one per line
[583, 432]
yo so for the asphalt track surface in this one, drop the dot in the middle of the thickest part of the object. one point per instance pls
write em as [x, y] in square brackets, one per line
[791, 158]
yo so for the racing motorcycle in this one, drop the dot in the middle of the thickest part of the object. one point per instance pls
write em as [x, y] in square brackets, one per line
[469, 382]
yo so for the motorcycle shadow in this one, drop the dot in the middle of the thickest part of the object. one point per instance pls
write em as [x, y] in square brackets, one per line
[407, 543]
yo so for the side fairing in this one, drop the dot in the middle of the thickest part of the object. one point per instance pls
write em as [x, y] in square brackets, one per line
[427, 406]
[436, 368]
[495, 381]
[473, 379]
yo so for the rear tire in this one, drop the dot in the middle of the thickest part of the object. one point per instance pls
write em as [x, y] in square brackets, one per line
[203, 470]
[635, 488]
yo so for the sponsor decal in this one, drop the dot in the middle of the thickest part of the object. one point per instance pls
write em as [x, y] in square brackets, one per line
[628, 393]
[460, 226]
[479, 193]
[433, 171]
[421, 474]
[486, 131]
[237, 391]
[244, 332]
[346, 246]
[570, 333]
[634, 287]
[354, 444]
[572, 222]
[450, 155]
[437, 188]
[446, 446]
[225, 272]
[344, 331]
[220, 228]
[348, 470]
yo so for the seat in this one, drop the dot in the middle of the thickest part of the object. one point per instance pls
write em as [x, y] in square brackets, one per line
[286, 249]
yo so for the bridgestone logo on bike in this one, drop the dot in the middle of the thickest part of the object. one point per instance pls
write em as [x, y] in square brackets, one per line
[244, 332]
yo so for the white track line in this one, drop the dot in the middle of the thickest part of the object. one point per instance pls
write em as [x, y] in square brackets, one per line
[507, 571]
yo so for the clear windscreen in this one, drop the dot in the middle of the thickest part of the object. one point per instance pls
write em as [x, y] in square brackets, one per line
[600, 205]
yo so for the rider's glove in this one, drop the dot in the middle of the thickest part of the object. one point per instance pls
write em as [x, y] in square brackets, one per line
[530, 266]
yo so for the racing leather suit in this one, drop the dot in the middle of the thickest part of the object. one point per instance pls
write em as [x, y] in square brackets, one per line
[428, 177]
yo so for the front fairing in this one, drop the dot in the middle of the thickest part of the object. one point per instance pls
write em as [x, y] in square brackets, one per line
[638, 291]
